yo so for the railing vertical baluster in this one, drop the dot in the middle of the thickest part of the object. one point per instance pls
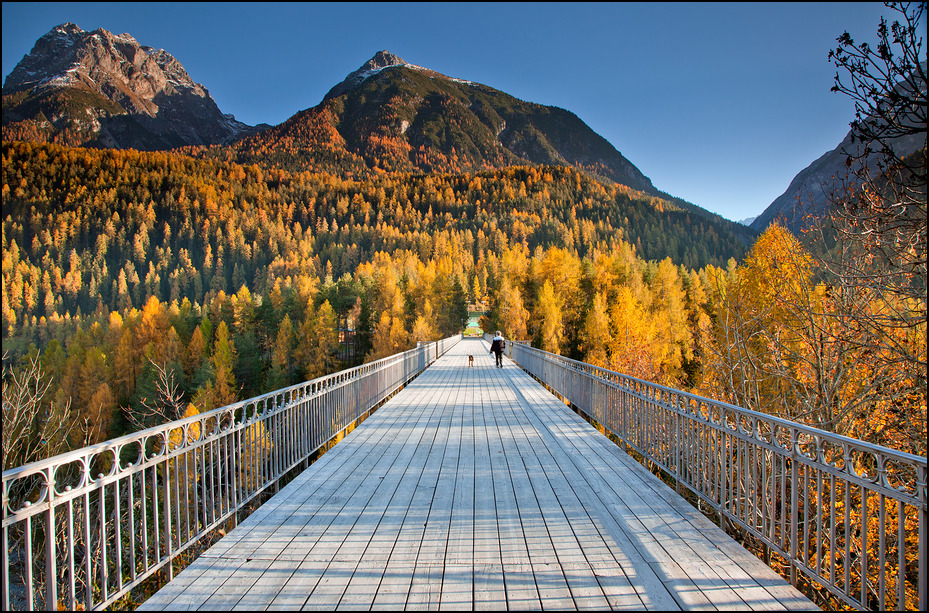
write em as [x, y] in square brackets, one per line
[144, 505]
[5, 573]
[72, 600]
[882, 526]
[821, 521]
[204, 490]
[51, 558]
[923, 521]
[130, 527]
[864, 547]
[168, 538]
[30, 591]
[832, 527]
[117, 536]
[88, 549]
[901, 557]
[794, 505]
[103, 562]
[848, 540]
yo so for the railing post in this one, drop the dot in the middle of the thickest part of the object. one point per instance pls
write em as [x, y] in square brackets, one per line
[794, 503]
[51, 571]
[923, 518]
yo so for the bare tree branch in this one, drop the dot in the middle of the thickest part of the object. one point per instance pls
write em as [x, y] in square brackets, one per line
[33, 428]
[167, 406]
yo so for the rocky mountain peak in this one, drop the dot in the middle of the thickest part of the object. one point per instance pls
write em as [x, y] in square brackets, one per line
[167, 107]
[381, 61]
[115, 65]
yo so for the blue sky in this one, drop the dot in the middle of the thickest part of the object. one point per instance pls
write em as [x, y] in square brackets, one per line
[718, 103]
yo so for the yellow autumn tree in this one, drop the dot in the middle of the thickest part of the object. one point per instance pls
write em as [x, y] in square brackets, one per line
[596, 333]
[514, 318]
[424, 326]
[390, 335]
[549, 319]
[785, 344]
[630, 347]
[672, 343]
[323, 343]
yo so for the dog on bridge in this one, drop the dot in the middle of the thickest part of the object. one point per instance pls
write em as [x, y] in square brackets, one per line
[470, 361]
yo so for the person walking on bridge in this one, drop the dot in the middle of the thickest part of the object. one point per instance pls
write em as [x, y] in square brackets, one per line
[497, 348]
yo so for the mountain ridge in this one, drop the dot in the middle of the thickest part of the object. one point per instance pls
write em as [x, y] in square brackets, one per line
[99, 89]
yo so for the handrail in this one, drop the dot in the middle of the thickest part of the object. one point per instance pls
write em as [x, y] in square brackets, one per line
[829, 506]
[126, 508]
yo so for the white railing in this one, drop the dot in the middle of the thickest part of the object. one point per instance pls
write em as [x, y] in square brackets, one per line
[125, 509]
[847, 515]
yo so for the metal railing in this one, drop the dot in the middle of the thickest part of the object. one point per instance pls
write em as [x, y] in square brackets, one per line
[84, 528]
[848, 515]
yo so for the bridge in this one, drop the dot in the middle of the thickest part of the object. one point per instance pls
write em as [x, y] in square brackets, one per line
[470, 487]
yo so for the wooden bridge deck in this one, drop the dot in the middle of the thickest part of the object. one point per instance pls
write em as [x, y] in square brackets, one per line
[474, 488]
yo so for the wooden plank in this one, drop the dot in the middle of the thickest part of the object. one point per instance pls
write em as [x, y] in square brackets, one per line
[268, 585]
[236, 583]
[296, 591]
[489, 587]
[425, 587]
[521, 592]
[393, 589]
[330, 587]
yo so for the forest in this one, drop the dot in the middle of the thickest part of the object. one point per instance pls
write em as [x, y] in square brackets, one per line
[138, 287]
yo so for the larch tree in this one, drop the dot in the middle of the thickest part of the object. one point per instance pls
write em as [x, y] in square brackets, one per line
[324, 342]
[424, 329]
[596, 335]
[281, 371]
[548, 316]
[225, 386]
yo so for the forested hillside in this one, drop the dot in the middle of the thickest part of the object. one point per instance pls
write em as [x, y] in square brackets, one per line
[87, 229]
[131, 274]
[118, 263]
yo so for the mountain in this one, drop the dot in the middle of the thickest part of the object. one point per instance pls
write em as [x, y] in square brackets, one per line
[391, 115]
[810, 192]
[101, 89]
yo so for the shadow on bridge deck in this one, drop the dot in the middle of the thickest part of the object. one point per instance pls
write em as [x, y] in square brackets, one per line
[474, 488]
